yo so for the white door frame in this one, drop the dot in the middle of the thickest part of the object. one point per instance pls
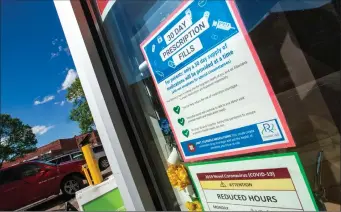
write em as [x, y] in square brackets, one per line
[114, 137]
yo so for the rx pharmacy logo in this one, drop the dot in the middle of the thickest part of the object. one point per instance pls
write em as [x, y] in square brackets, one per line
[269, 130]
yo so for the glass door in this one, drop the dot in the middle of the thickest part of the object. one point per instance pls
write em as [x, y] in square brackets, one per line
[298, 45]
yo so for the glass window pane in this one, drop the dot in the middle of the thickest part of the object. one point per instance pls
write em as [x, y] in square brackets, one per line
[98, 149]
[65, 159]
[298, 43]
[9, 175]
[77, 156]
[28, 170]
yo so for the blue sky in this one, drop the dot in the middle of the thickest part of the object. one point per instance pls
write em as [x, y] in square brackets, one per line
[36, 68]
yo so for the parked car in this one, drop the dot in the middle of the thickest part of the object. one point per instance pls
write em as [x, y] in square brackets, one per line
[77, 155]
[100, 156]
[98, 151]
[32, 181]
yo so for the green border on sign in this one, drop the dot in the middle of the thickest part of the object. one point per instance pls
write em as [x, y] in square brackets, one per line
[253, 158]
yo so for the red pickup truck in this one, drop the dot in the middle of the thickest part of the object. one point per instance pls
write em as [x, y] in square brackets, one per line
[29, 182]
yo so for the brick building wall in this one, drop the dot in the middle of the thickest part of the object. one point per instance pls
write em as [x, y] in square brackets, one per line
[58, 147]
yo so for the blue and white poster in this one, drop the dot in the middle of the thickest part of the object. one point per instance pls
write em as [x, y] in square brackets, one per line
[212, 85]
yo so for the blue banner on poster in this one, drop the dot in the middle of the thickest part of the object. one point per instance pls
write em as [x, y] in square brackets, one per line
[193, 32]
[253, 135]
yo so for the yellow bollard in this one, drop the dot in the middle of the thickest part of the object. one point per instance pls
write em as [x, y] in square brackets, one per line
[87, 174]
[91, 162]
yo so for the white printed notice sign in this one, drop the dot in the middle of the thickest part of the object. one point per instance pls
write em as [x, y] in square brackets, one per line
[261, 183]
[212, 85]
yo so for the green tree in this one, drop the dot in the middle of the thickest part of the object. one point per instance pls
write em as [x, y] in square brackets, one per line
[81, 111]
[16, 139]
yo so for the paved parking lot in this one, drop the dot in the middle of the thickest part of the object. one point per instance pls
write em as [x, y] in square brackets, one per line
[57, 203]
[54, 204]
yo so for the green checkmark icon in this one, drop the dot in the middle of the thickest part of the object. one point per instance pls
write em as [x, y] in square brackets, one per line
[185, 133]
[181, 121]
[176, 109]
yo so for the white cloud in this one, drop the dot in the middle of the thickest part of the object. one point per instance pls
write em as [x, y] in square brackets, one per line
[60, 47]
[69, 79]
[60, 103]
[41, 129]
[67, 51]
[54, 41]
[45, 99]
[54, 54]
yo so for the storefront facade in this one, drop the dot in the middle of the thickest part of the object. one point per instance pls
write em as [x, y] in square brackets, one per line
[232, 90]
